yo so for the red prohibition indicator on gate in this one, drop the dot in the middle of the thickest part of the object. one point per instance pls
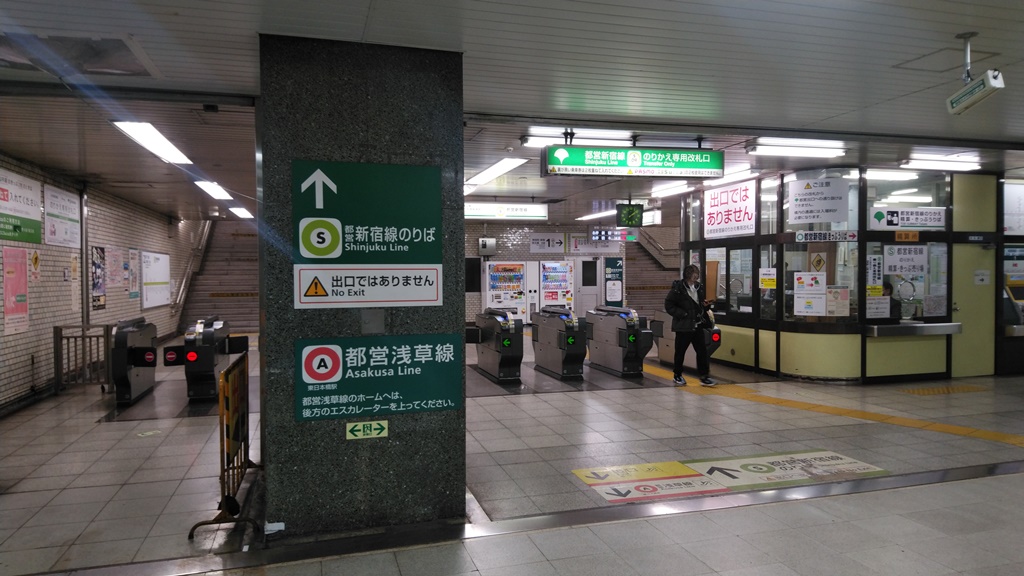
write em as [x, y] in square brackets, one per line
[191, 356]
[321, 363]
[151, 357]
[170, 356]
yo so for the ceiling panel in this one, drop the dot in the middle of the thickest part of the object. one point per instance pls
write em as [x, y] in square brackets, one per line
[728, 70]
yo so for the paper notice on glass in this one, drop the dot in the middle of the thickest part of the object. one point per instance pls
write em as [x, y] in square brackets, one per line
[810, 304]
[877, 307]
[808, 283]
[838, 301]
[873, 277]
[935, 305]
[766, 278]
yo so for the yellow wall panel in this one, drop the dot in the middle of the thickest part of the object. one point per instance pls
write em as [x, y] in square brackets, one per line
[820, 355]
[737, 345]
[974, 203]
[898, 355]
[766, 352]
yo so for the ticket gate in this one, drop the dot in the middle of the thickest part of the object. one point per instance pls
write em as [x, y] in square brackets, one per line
[559, 342]
[500, 350]
[205, 354]
[617, 341]
[133, 359]
[665, 339]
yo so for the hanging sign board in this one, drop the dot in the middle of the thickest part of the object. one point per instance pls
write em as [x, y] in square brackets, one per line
[921, 218]
[729, 211]
[647, 162]
[823, 200]
[496, 211]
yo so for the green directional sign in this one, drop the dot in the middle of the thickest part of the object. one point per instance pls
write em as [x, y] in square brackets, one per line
[632, 338]
[646, 162]
[363, 430]
[506, 342]
[346, 213]
[571, 339]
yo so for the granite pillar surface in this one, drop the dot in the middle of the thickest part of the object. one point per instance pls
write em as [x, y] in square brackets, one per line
[341, 102]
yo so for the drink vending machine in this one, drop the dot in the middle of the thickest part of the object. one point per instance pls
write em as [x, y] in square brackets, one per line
[506, 287]
[556, 281]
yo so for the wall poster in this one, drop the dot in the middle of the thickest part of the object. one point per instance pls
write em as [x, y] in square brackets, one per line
[15, 284]
[99, 277]
[156, 279]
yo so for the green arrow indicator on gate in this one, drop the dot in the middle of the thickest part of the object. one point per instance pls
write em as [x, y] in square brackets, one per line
[571, 339]
[632, 337]
[506, 342]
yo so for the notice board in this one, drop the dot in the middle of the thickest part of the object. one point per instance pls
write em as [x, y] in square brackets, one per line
[156, 280]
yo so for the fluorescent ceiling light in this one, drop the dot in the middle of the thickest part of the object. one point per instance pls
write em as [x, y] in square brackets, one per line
[728, 178]
[580, 132]
[800, 142]
[542, 141]
[886, 175]
[241, 212]
[670, 189]
[769, 198]
[943, 165]
[467, 189]
[214, 189]
[806, 152]
[495, 170]
[597, 215]
[904, 191]
[769, 182]
[914, 199]
[880, 205]
[151, 139]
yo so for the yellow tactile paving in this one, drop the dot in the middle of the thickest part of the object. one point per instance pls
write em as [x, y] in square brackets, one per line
[737, 391]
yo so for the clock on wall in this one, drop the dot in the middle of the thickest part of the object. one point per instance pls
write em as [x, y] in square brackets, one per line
[630, 215]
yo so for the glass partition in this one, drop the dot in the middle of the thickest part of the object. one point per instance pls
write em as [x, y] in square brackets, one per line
[741, 264]
[820, 282]
[715, 281]
[769, 206]
[768, 283]
[820, 200]
[906, 281]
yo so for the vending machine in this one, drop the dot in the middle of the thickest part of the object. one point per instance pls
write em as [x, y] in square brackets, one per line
[556, 283]
[505, 283]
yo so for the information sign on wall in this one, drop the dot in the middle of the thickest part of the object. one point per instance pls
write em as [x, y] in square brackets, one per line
[547, 243]
[19, 208]
[729, 211]
[156, 279]
[15, 290]
[63, 218]
[366, 235]
[822, 200]
[921, 218]
[377, 375]
[905, 260]
[590, 161]
[613, 282]
[497, 211]
[584, 244]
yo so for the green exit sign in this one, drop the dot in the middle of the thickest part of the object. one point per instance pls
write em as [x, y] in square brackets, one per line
[646, 162]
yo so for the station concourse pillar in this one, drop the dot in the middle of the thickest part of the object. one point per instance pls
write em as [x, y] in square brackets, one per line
[359, 161]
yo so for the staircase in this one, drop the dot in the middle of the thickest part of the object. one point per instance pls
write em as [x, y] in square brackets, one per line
[648, 279]
[227, 284]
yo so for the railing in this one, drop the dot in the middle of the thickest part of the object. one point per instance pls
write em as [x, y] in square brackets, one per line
[667, 257]
[81, 355]
[190, 269]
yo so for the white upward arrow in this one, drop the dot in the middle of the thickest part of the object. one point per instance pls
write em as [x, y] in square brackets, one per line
[319, 178]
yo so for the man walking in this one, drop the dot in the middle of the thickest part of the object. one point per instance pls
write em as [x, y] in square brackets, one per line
[688, 307]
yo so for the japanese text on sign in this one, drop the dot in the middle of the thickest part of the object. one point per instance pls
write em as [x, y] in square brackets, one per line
[729, 211]
[907, 260]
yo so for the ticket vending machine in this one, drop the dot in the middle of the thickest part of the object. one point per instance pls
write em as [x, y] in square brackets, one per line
[505, 287]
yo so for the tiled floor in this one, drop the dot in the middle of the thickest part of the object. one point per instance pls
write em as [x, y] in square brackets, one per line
[77, 490]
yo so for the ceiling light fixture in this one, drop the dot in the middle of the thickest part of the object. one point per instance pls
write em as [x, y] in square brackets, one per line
[151, 139]
[914, 199]
[580, 132]
[241, 212]
[942, 165]
[542, 141]
[797, 147]
[597, 215]
[670, 189]
[740, 173]
[493, 171]
[903, 191]
[214, 189]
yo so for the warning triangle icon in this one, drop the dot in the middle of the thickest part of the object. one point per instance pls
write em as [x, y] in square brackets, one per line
[315, 288]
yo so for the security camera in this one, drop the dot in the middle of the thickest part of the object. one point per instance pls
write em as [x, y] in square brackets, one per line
[974, 92]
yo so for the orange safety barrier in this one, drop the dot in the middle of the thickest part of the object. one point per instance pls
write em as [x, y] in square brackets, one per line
[234, 442]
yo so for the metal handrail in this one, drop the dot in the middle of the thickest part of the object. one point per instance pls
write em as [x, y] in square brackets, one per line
[190, 268]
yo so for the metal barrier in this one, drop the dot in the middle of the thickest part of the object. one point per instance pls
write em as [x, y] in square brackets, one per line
[81, 355]
[234, 442]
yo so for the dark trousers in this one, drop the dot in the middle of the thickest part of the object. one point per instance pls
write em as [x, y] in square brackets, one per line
[696, 339]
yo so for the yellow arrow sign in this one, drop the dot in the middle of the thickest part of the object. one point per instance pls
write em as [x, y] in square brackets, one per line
[618, 474]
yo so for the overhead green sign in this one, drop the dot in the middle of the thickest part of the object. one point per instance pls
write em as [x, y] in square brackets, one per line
[377, 375]
[648, 162]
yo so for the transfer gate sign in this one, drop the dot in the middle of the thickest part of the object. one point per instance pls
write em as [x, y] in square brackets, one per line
[377, 375]
[590, 161]
[366, 235]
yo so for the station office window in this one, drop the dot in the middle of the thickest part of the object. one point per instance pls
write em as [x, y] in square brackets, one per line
[915, 273]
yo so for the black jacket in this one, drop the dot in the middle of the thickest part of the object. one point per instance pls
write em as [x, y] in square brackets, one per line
[686, 314]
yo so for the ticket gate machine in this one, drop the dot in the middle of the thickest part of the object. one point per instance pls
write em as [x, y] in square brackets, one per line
[205, 354]
[559, 342]
[133, 359]
[500, 350]
[617, 342]
[665, 339]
